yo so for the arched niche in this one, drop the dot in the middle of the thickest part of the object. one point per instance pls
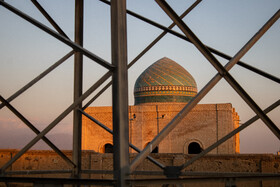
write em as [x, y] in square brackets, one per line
[193, 146]
[106, 148]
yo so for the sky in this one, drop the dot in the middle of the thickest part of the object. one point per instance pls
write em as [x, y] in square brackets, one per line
[26, 51]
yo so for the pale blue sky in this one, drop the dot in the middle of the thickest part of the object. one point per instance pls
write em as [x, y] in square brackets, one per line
[226, 25]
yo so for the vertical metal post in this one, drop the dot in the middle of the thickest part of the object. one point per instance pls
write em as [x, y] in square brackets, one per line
[120, 92]
[78, 89]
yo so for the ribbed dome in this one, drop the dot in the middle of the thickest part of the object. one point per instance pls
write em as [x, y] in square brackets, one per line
[164, 81]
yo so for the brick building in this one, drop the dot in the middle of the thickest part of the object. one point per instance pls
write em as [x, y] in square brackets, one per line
[160, 92]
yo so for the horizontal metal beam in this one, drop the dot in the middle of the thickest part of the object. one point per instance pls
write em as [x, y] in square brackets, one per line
[40, 180]
[199, 180]
[39, 77]
[56, 35]
[111, 182]
[56, 121]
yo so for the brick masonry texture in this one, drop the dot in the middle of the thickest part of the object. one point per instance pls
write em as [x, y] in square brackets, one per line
[205, 124]
[49, 160]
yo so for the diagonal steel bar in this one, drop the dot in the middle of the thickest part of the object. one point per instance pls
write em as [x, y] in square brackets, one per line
[61, 38]
[162, 34]
[179, 35]
[97, 95]
[49, 18]
[246, 66]
[56, 121]
[39, 77]
[232, 133]
[34, 129]
[144, 51]
[172, 124]
[168, 30]
[227, 76]
[149, 21]
[111, 132]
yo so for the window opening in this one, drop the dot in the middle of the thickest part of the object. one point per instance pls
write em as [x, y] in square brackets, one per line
[194, 148]
[108, 148]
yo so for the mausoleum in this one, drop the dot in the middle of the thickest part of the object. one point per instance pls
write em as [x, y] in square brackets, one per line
[160, 92]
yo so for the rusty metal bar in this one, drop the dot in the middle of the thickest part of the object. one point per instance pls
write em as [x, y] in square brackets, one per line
[34, 129]
[61, 38]
[110, 182]
[227, 76]
[78, 88]
[111, 132]
[226, 137]
[120, 92]
[49, 18]
[172, 124]
[56, 121]
[39, 77]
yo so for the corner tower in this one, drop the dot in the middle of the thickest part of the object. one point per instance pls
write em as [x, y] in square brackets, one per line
[164, 81]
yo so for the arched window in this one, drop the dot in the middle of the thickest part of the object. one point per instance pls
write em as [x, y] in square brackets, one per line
[194, 148]
[108, 148]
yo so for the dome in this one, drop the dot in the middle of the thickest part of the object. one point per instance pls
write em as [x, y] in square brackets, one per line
[164, 81]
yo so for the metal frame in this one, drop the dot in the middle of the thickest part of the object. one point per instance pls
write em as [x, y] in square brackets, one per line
[118, 70]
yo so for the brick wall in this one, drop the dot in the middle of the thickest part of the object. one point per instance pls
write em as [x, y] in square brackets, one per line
[205, 124]
[49, 160]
